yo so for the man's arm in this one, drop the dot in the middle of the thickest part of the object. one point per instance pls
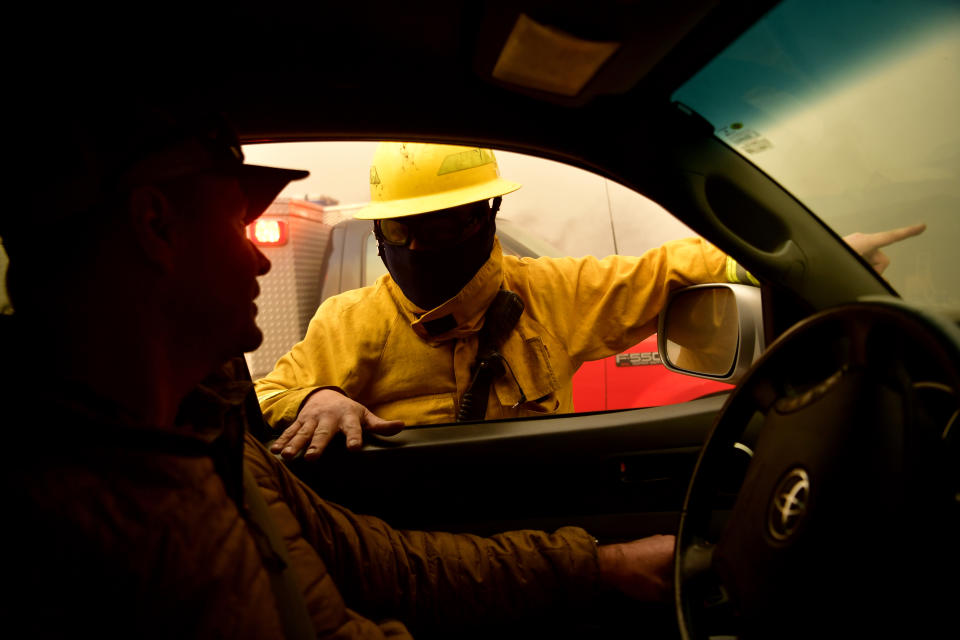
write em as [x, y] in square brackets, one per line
[447, 580]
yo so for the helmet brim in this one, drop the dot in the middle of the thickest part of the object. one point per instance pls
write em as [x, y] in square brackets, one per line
[436, 201]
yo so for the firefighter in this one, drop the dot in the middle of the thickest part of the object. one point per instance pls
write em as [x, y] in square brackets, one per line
[419, 345]
[406, 349]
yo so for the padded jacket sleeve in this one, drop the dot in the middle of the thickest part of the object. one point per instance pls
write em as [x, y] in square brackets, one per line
[423, 579]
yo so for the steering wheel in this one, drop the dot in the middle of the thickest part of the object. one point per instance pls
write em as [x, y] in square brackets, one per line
[846, 520]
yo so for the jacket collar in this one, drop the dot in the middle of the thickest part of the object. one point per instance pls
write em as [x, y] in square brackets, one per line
[462, 314]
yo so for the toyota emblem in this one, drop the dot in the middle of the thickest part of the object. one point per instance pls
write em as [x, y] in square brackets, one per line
[789, 504]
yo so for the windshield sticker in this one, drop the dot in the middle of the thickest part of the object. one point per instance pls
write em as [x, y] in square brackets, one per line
[748, 140]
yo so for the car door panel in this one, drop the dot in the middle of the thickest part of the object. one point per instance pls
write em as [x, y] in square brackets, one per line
[620, 474]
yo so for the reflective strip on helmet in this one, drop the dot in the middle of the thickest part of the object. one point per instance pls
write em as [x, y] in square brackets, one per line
[465, 160]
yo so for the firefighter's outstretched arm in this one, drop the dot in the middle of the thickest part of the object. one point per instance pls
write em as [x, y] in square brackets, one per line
[324, 414]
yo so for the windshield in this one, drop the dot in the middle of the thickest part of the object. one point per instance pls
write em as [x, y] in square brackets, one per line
[853, 107]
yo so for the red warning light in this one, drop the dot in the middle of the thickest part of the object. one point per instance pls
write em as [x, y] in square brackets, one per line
[268, 232]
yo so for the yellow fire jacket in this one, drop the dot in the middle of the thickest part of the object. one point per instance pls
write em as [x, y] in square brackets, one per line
[377, 347]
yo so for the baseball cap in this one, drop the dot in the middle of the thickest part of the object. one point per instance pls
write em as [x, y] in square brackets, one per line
[206, 145]
[70, 170]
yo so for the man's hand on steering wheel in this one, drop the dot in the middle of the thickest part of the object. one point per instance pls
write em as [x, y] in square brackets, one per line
[641, 569]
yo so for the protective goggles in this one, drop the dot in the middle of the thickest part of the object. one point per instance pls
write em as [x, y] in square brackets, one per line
[435, 230]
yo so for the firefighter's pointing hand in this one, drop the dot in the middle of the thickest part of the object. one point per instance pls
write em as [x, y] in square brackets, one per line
[323, 415]
[868, 244]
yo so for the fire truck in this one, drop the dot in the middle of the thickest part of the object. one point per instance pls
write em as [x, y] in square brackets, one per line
[319, 250]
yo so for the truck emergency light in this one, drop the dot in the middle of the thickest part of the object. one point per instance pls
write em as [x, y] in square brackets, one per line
[268, 232]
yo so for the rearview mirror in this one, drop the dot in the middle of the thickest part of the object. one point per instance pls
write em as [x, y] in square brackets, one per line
[712, 331]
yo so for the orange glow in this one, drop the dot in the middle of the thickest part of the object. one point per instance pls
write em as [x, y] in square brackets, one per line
[268, 232]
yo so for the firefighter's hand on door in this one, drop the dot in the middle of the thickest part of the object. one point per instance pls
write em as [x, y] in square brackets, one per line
[323, 415]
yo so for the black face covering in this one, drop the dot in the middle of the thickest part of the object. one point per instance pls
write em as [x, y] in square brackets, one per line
[430, 278]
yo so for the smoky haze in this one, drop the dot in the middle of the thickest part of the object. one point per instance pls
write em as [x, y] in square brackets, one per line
[578, 212]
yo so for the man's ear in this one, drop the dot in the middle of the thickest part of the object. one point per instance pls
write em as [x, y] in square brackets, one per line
[152, 220]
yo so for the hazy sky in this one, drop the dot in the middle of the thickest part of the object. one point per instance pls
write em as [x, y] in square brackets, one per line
[568, 207]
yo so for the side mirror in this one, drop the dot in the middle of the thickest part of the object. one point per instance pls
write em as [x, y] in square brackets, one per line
[712, 331]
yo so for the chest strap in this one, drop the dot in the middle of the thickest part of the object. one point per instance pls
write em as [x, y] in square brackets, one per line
[501, 317]
[289, 598]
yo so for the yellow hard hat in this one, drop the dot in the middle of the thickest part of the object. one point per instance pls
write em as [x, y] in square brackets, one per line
[409, 178]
